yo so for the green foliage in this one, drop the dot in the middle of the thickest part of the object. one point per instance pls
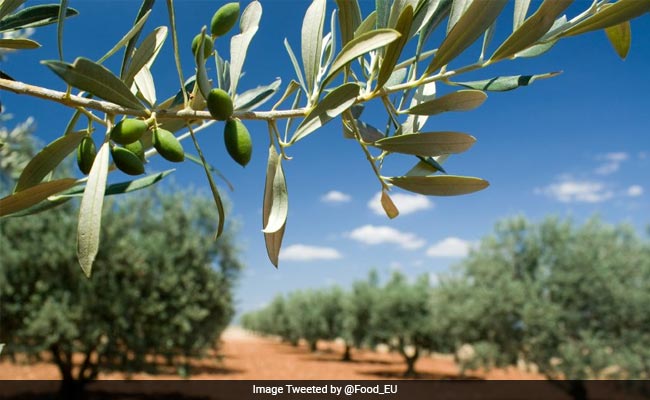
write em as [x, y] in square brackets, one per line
[570, 299]
[155, 291]
[371, 66]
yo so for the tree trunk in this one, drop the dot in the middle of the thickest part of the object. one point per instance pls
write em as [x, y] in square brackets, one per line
[347, 355]
[313, 345]
[410, 362]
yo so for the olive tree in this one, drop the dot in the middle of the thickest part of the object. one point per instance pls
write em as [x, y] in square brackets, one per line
[349, 60]
[156, 291]
[358, 310]
[571, 300]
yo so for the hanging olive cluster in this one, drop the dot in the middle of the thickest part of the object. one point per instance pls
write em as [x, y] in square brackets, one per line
[220, 105]
[127, 148]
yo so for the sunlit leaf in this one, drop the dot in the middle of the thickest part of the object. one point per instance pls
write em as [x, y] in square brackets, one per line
[19, 44]
[90, 212]
[146, 86]
[29, 197]
[63, 8]
[312, 36]
[253, 98]
[427, 143]
[337, 101]
[47, 159]
[91, 77]
[201, 72]
[424, 11]
[349, 19]
[620, 36]
[424, 167]
[126, 39]
[505, 83]
[32, 17]
[422, 94]
[367, 24]
[439, 185]
[394, 49]
[296, 66]
[521, 9]
[458, 8]
[532, 29]
[273, 240]
[478, 17]
[248, 23]
[387, 204]
[383, 12]
[8, 6]
[146, 53]
[134, 33]
[276, 217]
[369, 133]
[536, 50]
[462, 100]
[361, 45]
[119, 188]
[610, 15]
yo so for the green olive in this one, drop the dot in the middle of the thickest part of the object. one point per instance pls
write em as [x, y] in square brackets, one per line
[224, 19]
[238, 141]
[128, 131]
[86, 153]
[168, 146]
[219, 104]
[136, 148]
[207, 45]
[127, 161]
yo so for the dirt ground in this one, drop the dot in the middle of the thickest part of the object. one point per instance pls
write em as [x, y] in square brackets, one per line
[245, 356]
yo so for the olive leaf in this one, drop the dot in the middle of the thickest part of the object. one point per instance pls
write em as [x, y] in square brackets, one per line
[387, 204]
[63, 8]
[312, 37]
[462, 100]
[273, 240]
[296, 66]
[458, 8]
[394, 49]
[367, 24]
[532, 29]
[249, 23]
[253, 98]
[359, 46]
[478, 17]
[18, 44]
[521, 9]
[427, 143]
[126, 39]
[424, 167]
[620, 36]
[201, 73]
[277, 207]
[118, 188]
[609, 15]
[505, 83]
[90, 212]
[349, 19]
[29, 197]
[93, 78]
[439, 185]
[32, 17]
[8, 6]
[134, 33]
[146, 86]
[337, 101]
[145, 54]
[47, 159]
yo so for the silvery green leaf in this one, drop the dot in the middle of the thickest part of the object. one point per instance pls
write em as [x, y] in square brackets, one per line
[428, 166]
[422, 94]
[133, 34]
[18, 44]
[487, 38]
[312, 36]
[367, 24]
[8, 6]
[462, 100]
[620, 36]
[29, 197]
[359, 46]
[337, 101]
[394, 49]
[369, 133]
[533, 29]
[427, 143]
[505, 83]
[521, 9]
[249, 23]
[291, 88]
[276, 217]
[146, 85]
[127, 38]
[439, 185]
[349, 19]
[273, 240]
[471, 25]
[32, 17]
[90, 212]
[424, 11]
[458, 8]
[63, 9]
[610, 15]
[441, 12]
[93, 78]
[536, 50]
[117, 188]
[251, 99]
[201, 72]
[146, 53]
[295, 64]
[383, 12]
[397, 77]
[47, 159]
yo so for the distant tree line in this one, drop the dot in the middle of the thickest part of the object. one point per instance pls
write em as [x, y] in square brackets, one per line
[572, 300]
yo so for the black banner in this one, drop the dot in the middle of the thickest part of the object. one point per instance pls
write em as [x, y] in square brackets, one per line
[326, 390]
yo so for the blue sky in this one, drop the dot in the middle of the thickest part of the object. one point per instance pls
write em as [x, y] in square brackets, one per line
[575, 145]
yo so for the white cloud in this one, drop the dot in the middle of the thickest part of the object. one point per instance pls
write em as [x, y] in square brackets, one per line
[376, 235]
[611, 162]
[405, 203]
[635, 191]
[334, 196]
[302, 252]
[450, 247]
[571, 191]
